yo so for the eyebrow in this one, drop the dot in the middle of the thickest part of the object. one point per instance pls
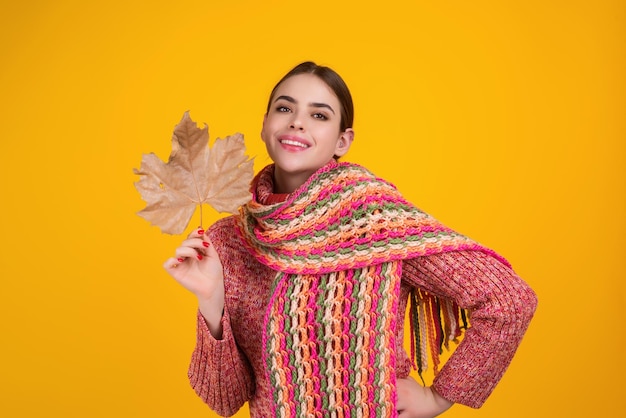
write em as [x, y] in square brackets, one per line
[313, 104]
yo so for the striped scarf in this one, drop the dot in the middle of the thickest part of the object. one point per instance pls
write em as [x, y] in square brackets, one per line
[337, 244]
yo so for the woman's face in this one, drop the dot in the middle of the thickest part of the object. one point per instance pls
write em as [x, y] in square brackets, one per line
[301, 129]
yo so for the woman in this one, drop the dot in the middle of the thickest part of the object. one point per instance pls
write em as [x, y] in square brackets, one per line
[302, 295]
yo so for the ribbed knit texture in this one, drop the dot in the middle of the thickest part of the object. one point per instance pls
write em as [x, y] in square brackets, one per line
[329, 332]
[228, 372]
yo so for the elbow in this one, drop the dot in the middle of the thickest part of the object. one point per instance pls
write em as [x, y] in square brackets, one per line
[521, 308]
[527, 303]
[511, 311]
[533, 301]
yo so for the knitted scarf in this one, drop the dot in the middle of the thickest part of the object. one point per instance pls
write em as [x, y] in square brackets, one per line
[337, 244]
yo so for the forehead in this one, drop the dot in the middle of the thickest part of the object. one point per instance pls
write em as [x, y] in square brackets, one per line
[307, 88]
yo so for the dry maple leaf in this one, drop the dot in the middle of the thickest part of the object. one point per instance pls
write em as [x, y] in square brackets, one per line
[194, 174]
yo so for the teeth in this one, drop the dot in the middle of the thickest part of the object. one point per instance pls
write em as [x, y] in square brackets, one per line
[294, 143]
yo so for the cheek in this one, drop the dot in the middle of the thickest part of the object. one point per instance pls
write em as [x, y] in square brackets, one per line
[331, 133]
[265, 130]
[270, 124]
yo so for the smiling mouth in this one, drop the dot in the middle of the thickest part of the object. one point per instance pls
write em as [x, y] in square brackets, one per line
[293, 143]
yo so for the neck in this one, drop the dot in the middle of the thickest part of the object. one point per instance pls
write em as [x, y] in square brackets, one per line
[288, 182]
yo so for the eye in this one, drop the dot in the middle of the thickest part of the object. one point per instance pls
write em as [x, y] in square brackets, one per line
[320, 116]
[282, 109]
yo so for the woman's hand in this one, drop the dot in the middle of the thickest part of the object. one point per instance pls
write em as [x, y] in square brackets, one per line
[197, 267]
[417, 401]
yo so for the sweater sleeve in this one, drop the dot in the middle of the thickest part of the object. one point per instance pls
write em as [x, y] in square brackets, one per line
[501, 306]
[219, 372]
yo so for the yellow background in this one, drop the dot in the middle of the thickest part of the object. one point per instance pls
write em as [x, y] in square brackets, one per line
[505, 120]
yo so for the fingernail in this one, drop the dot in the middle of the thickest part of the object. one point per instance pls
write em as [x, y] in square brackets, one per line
[199, 257]
[200, 231]
[180, 260]
[206, 244]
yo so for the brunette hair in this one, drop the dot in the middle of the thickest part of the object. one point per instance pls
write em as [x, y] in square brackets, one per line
[332, 80]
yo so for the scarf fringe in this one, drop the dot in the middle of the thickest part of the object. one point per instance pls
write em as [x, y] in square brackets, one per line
[337, 244]
[435, 322]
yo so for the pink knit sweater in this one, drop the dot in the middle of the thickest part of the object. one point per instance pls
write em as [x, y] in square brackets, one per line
[227, 373]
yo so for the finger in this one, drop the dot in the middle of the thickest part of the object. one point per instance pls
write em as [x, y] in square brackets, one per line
[186, 252]
[197, 244]
[172, 263]
[210, 249]
[197, 233]
[192, 252]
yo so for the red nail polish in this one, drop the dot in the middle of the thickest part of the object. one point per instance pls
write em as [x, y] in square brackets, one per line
[180, 260]
[206, 244]
[200, 231]
[199, 257]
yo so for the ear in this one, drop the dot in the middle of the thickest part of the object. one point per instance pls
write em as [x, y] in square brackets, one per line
[343, 142]
[263, 128]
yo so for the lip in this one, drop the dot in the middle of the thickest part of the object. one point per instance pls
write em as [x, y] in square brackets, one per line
[296, 142]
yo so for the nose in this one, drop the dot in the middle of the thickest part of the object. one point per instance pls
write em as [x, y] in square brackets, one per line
[296, 123]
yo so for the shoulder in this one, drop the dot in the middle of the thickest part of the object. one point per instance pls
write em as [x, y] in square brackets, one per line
[239, 264]
[223, 230]
[222, 224]
[225, 237]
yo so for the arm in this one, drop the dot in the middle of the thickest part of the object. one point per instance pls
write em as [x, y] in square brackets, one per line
[197, 267]
[501, 306]
[218, 372]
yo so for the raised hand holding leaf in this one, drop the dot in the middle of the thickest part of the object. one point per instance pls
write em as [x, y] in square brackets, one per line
[194, 174]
